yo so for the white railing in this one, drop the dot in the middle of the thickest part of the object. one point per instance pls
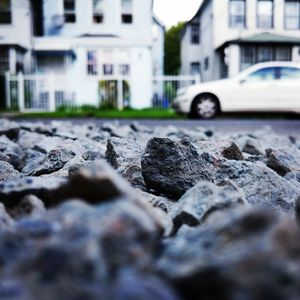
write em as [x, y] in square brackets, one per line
[165, 88]
[32, 93]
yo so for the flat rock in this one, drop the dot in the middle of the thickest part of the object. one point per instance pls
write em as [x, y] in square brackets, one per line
[283, 161]
[125, 156]
[9, 129]
[203, 200]
[261, 185]
[7, 171]
[11, 152]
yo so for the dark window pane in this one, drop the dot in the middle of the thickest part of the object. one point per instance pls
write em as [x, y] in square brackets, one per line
[69, 5]
[5, 12]
[263, 74]
[195, 33]
[127, 18]
[70, 18]
[264, 53]
[289, 73]
[98, 19]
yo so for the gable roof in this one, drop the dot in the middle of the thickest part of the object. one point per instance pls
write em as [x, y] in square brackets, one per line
[198, 13]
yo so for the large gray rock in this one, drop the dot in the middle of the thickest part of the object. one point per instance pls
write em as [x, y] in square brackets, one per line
[7, 172]
[261, 185]
[11, 152]
[203, 200]
[125, 156]
[172, 167]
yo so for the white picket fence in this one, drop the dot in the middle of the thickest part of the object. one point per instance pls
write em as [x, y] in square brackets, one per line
[48, 93]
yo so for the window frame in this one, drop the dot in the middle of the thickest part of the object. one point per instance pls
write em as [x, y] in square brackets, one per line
[70, 12]
[7, 15]
[92, 64]
[195, 38]
[4, 59]
[127, 16]
[98, 15]
[286, 17]
[258, 15]
[230, 16]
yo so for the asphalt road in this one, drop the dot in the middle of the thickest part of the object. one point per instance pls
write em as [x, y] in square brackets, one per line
[226, 125]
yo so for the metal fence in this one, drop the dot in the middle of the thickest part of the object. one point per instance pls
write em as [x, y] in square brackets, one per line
[30, 93]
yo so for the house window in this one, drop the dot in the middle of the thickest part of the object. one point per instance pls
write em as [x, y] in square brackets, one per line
[92, 62]
[195, 68]
[265, 13]
[124, 69]
[237, 11]
[206, 63]
[264, 53]
[108, 69]
[252, 54]
[195, 33]
[5, 12]
[126, 10]
[98, 16]
[4, 60]
[292, 14]
[70, 11]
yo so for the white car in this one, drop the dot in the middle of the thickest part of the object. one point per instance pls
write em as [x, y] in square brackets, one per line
[270, 86]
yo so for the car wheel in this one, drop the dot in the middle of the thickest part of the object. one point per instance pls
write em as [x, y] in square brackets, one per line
[206, 107]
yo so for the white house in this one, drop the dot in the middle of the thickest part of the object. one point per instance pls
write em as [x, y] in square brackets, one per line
[15, 36]
[227, 36]
[80, 42]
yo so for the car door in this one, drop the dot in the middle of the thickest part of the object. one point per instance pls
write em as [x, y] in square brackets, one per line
[288, 91]
[258, 90]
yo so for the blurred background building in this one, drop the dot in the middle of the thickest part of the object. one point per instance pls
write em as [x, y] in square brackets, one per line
[227, 36]
[84, 39]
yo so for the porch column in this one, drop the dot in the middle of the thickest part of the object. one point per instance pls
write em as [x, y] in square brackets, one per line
[12, 54]
[234, 60]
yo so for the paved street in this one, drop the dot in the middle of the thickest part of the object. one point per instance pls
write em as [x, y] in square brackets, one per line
[281, 126]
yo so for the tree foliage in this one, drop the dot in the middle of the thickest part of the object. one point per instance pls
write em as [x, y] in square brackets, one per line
[172, 49]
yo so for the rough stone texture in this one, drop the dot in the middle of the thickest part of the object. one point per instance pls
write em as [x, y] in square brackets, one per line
[11, 152]
[9, 129]
[172, 167]
[13, 191]
[7, 172]
[261, 185]
[203, 200]
[221, 149]
[29, 206]
[283, 161]
[125, 156]
[249, 256]
[78, 230]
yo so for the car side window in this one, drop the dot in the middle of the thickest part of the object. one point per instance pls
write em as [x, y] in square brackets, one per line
[289, 73]
[263, 74]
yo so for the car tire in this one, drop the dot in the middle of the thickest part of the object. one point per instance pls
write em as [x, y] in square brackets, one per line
[205, 106]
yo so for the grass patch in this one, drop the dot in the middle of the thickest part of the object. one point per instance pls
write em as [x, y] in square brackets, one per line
[104, 114]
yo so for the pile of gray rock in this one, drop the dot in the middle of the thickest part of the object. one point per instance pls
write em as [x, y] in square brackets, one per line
[132, 212]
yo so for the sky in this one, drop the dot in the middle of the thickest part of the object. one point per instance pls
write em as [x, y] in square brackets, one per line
[170, 12]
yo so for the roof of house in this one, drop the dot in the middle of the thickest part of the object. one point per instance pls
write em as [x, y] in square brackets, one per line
[199, 11]
[265, 37]
[158, 21]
